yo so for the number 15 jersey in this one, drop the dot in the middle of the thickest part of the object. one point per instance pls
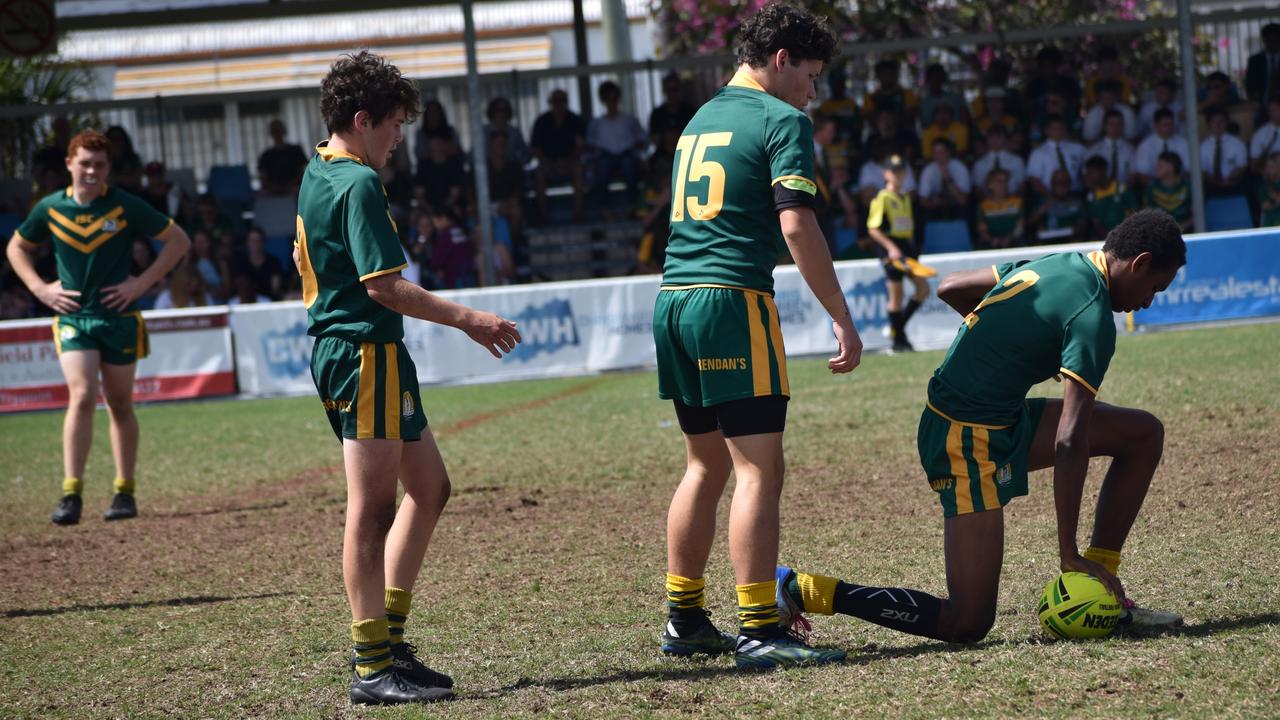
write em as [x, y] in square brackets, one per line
[1044, 317]
[744, 156]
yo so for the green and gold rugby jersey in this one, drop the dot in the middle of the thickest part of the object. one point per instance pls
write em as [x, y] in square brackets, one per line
[346, 236]
[1111, 205]
[93, 244]
[744, 156]
[1043, 318]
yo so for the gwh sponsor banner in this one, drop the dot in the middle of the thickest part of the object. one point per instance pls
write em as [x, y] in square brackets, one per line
[190, 357]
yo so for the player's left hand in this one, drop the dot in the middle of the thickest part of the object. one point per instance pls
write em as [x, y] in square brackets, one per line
[119, 297]
[497, 334]
[1089, 567]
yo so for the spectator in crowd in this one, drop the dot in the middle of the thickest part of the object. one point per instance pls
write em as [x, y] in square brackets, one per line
[506, 182]
[1056, 105]
[52, 157]
[871, 177]
[280, 166]
[210, 218]
[1051, 76]
[1000, 215]
[499, 114]
[1056, 153]
[398, 181]
[846, 113]
[656, 218]
[830, 171]
[245, 289]
[1266, 137]
[185, 288]
[1000, 157]
[1164, 97]
[945, 127]
[1218, 91]
[667, 120]
[453, 254]
[890, 95]
[996, 113]
[143, 256]
[897, 138]
[419, 245]
[1224, 159]
[558, 141]
[616, 140]
[435, 124]
[16, 303]
[1060, 217]
[1269, 192]
[1162, 139]
[442, 176]
[937, 93]
[1108, 92]
[1262, 74]
[944, 183]
[1109, 71]
[1109, 201]
[203, 258]
[891, 224]
[164, 196]
[263, 268]
[126, 166]
[1170, 191]
[1114, 148]
[501, 254]
[48, 179]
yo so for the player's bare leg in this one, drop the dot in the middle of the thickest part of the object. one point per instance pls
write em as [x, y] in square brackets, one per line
[1134, 439]
[974, 546]
[691, 519]
[80, 368]
[117, 390]
[426, 490]
[758, 467]
[371, 467]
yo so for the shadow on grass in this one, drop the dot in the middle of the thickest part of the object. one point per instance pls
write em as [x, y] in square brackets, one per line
[1211, 627]
[219, 511]
[704, 670]
[168, 602]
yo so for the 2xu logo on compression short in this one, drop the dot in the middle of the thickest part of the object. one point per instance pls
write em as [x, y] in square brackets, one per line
[899, 615]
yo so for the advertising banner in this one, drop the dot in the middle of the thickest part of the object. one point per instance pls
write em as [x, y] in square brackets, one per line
[190, 357]
[1227, 276]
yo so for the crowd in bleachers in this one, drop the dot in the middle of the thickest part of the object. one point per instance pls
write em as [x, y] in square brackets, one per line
[1055, 155]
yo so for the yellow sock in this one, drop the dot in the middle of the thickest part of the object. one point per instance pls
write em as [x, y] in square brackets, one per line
[817, 593]
[373, 645]
[72, 486]
[757, 607]
[397, 602]
[124, 485]
[685, 593]
[1109, 559]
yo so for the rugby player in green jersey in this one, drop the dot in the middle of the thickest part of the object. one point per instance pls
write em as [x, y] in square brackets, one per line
[98, 331]
[348, 253]
[979, 434]
[743, 183]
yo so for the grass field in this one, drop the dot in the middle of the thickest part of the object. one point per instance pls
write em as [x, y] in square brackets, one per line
[542, 593]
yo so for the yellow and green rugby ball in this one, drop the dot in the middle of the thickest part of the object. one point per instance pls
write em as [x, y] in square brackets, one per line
[1076, 605]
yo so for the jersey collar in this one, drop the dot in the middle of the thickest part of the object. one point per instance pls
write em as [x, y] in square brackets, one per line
[1099, 260]
[743, 80]
[71, 191]
[327, 153]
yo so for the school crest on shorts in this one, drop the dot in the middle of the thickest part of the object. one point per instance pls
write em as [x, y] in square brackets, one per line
[406, 405]
[1004, 474]
[66, 332]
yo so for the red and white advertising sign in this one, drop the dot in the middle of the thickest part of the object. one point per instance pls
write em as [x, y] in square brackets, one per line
[190, 357]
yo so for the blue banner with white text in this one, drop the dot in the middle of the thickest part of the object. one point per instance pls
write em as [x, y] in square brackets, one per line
[1227, 276]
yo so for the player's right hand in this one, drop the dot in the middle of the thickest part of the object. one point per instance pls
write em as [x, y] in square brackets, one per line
[497, 334]
[895, 253]
[1089, 567]
[850, 346]
[61, 301]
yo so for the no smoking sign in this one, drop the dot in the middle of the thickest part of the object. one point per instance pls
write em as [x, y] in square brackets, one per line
[27, 27]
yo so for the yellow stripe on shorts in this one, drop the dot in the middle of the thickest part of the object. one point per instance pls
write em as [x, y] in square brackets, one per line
[57, 336]
[986, 468]
[391, 413]
[959, 469]
[368, 379]
[779, 352]
[759, 348]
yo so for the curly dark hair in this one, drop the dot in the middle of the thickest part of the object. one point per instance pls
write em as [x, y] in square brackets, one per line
[365, 81]
[775, 27]
[1152, 231]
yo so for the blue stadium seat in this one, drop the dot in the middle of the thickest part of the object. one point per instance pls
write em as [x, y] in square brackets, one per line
[231, 184]
[943, 236]
[8, 223]
[277, 216]
[281, 246]
[1227, 213]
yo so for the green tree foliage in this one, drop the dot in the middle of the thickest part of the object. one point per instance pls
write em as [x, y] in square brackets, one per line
[27, 82]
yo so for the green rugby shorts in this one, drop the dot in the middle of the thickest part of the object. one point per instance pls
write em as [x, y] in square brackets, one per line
[369, 390]
[122, 339]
